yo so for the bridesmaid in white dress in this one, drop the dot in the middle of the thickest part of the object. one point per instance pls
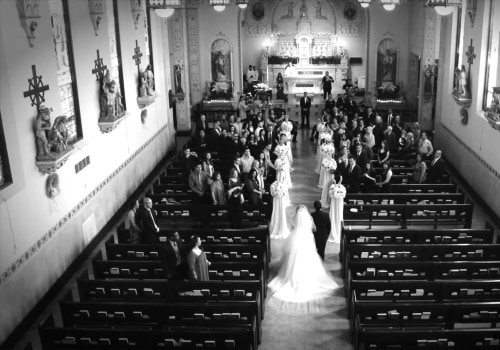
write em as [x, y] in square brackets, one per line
[329, 166]
[286, 128]
[278, 227]
[337, 194]
[327, 151]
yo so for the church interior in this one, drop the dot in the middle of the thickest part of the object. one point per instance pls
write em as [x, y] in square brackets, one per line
[98, 98]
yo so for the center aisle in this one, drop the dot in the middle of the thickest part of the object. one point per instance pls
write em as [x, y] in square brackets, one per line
[325, 331]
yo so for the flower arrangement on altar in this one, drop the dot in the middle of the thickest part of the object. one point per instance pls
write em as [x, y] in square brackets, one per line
[329, 164]
[261, 87]
[278, 189]
[281, 151]
[327, 149]
[337, 191]
[280, 164]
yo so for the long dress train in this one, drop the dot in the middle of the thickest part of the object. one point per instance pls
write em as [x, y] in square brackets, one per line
[302, 283]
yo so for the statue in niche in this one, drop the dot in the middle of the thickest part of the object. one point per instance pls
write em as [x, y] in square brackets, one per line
[110, 101]
[42, 129]
[461, 89]
[291, 6]
[178, 79]
[59, 135]
[150, 79]
[428, 74]
[317, 7]
[304, 10]
[219, 67]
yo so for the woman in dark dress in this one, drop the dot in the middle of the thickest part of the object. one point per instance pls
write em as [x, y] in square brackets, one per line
[235, 202]
[385, 184]
[368, 179]
[383, 152]
[197, 261]
[253, 188]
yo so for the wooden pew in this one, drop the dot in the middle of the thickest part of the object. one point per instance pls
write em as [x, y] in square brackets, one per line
[405, 198]
[63, 338]
[257, 235]
[420, 252]
[420, 315]
[399, 236]
[237, 252]
[394, 291]
[409, 339]
[187, 198]
[249, 291]
[424, 188]
[419, 271]
[159, 315]
[408, 214]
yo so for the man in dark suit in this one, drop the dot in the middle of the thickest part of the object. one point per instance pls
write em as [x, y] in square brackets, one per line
[146, 220]
[392, 140]
[352, 176]
[175, 257]
[323, 228]
[436, 169]
[199, 183]
[189, 160]
[361, 156]
[305, 108]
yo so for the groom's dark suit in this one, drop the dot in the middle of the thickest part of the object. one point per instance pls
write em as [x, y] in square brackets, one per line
[323, 228]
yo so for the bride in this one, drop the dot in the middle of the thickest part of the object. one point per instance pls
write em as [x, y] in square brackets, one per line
[302, 282]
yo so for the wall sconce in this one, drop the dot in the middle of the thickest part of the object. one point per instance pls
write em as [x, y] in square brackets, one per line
[28, 13]
[96, 12]
[389, 5]
[136, 11]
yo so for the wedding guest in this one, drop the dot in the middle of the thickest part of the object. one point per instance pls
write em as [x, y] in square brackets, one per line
[188, 160]
[392, 139]
[436, 169]
[201, 124]
[352, 175]
[131, 225]
[146, 220]
[217, 190]
[369, 137]
[207, 164]
[368, 179]
[235, 200]
[242, 108]
[199, 182]
[197, 261]
[419, 170]
[383, 153]
[425, 146]
[253, 188]
[385, 184]
[246, 162]
[175, 263]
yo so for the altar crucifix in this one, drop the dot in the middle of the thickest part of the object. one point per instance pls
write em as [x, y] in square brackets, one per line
[37, 92]
[470, 54]
[100, 68]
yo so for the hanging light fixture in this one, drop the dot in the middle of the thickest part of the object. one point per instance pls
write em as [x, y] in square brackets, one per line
[443, 7]
[219, 5]
[242, 3]
[389, 5]
[364, 3]
[164, 8]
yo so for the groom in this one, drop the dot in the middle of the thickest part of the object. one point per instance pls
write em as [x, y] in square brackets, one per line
[323, 228]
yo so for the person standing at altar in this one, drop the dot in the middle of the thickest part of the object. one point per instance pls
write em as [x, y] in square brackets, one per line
[305, 108]
[326, 84]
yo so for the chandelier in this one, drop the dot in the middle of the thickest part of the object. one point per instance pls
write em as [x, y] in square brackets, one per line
[164, 8]
[220, 5]
[388, 5]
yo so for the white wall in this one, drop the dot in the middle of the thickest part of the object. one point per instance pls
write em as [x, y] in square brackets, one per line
[473, 148]
[40, 237]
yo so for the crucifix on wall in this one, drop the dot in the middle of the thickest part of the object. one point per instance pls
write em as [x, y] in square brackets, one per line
[470, 54]
[100, 69]
[137, 55]
[37, 92]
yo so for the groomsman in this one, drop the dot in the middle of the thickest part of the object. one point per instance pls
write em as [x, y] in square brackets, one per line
[305, 107]
[323, 228]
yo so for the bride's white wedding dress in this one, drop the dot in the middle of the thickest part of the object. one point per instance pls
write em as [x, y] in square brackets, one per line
[301, 282]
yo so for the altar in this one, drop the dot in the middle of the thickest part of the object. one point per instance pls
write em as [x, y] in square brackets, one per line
[304, 57]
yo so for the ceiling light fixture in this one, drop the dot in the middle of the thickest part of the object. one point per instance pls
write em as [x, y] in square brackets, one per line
[219, 5]
[364, 3]
[443, 7]
[165, 13]
[242, 3]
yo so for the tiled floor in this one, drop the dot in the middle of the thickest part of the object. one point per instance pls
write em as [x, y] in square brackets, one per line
[325, 331]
